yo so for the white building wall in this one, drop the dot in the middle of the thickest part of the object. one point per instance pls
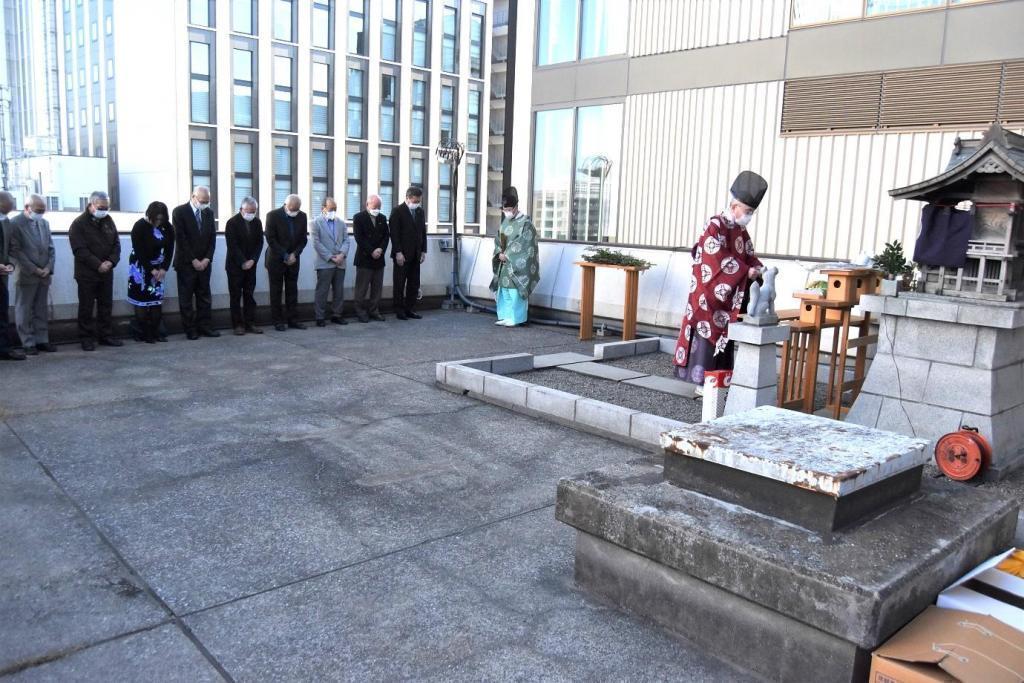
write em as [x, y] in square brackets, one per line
[657, 26]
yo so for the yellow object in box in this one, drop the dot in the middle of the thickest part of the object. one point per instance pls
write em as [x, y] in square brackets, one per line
[1013, 564]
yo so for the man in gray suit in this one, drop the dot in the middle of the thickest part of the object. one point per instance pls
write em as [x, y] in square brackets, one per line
[32, 251]
[7, 351]
[331, 243]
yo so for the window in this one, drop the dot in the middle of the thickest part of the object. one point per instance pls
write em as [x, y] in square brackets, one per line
[552, 179]
[94, 32]
[419, 111]
[108, 26]
[67, 42]
[353, 182]
[81, 77]
[202, 162]
[356, 101]
[472, 191]
[96, 114]
[558, 24]
[473, 125]
[243, 178]
[320, 111]
[95, 73]
[580, 29]
[418, 171]
[604, 25]
[284, 20]
[282, 93]
[357, 27]
[199, 12]
[282, 172]
[444, 193]
[322, 24]
[110, 68]
[388, 104]
[387, 181]
[81, 37]
[200, 91]
[110, 111]
[447, 112]
[809, 12]
[476, 39]
[243, 16]
[320, 163]
[421, 33]
[242, 99]
[390, 11]
[450, 36]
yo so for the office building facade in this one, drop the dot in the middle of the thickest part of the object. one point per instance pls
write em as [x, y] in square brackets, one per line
[642, 112]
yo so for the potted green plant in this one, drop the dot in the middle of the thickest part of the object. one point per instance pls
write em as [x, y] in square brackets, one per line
[898, 270]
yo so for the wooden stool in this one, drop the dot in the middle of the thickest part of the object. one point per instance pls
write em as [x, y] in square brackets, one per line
[588, 271]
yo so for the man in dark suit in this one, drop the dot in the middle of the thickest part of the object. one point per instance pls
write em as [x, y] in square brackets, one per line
[7, 350]
[243, 236]
[286, 238]
[408, 228]
[372, 237]
[195, 238]
[97, 248]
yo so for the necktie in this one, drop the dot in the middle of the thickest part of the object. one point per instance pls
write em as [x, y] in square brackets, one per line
[39, 231]
[199, 220]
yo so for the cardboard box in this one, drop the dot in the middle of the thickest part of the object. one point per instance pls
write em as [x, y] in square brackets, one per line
[950, 646]
[988, 590]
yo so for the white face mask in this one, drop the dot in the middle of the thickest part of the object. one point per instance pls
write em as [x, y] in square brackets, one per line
[412, 207]
[509, 213]
[744, 220]
[100, 213]
[291, 214]
[34, 216]
[331, 215]
[374, 212]
[248, 216]
[203, 207]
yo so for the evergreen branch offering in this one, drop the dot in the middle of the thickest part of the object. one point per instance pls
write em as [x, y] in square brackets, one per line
[612, 257]
[892, 261]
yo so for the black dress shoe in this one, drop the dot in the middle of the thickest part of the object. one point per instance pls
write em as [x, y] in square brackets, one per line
[338, 320]
[48, 347]
[364, 319]
[209, 333]
[252, 329]
[88, 345]
[414, 316]
[110, 341]
[192, 335]
[378, 317]
[321, 323]
[297, 326]
[280, 327]
[401, 316]
[161, 338]
[13, 354]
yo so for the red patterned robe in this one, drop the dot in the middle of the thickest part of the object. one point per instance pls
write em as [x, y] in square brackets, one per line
[722, 259]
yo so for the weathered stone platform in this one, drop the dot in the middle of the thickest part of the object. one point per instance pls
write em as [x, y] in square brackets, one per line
[765, 594]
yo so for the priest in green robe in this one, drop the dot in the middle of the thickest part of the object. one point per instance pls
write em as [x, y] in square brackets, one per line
[515, 263]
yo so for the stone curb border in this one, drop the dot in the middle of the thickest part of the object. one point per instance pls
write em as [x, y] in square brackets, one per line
[484, 379]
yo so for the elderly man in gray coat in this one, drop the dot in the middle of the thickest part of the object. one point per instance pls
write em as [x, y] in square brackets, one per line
[33, 253]
[331, 243]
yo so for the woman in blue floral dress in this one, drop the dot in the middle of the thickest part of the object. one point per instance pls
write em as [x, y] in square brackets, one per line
[152, 248]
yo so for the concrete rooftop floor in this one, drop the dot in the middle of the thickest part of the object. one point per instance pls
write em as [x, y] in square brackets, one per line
[299, 505]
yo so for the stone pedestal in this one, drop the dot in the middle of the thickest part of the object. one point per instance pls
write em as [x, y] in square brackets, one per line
[755, 375]
[942, 363]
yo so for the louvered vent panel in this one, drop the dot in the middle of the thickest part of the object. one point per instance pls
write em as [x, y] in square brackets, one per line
[1011, 109]
[837, 103]
[943, 96]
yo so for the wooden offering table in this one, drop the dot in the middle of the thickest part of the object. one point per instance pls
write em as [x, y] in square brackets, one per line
[588, 270]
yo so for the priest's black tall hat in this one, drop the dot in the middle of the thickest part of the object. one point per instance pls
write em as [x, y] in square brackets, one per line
[510, 197]
[749, 188]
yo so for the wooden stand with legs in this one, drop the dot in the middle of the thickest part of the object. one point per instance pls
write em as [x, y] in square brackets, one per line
[588, 271]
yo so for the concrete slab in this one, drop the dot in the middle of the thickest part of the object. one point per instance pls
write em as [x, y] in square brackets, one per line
[603, 371]
[665, 385]
[554, 359]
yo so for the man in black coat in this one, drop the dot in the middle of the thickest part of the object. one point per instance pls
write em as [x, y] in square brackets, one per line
[286, 238]
[243, 236]
[408, 228]
[8, 350]
[372, 237]
[97, 249]
[195, 238]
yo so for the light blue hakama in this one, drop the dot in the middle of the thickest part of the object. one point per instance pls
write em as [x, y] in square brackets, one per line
[511, 305]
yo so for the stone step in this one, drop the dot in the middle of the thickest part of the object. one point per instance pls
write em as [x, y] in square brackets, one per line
[603, 371]
[665, 385]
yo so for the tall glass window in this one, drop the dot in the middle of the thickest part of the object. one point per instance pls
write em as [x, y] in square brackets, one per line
[389, 42]
[320, 161]
[202, 162]
[356, 102]
[387, 181]
[444, 193]
[199, 59]
[598, 130]
[418, 169]
[388, 107]
[419, 111]
[353, 183]
[282, 93]
[282, 173]
[322, 24]
[472, 192]
[421, 33]
[243, 16]
[807, 12]
[284, 20]
[199, 13]
[558, 29]
[447, 112]
[320, 110]
[476, 39]
[552, 173]
[357, 27]
[243, 178]
[450, 36]
[242, 88]
[473, 132]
